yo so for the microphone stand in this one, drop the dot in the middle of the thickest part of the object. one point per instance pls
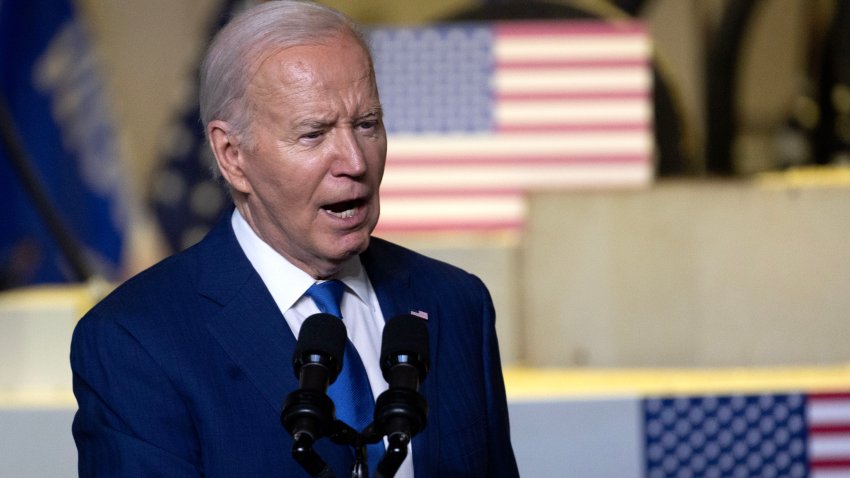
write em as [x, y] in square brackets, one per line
[310, 413]
[344, 434]
[395, 454]
[306, 456]
[400, 413]
[307, 415]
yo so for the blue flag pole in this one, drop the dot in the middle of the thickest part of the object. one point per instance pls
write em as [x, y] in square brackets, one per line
[56, 104]
[81, 270]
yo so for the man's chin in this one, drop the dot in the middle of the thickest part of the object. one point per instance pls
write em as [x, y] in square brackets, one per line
[353, 245]
[331, 261]
[342, 246]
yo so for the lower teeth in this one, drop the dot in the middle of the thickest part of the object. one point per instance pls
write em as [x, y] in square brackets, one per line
[344, 214]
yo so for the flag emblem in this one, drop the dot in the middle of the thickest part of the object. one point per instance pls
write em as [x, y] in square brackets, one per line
[478, 114]
[419, 313]
[770, 435]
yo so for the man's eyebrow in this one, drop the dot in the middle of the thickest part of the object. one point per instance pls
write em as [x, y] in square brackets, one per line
[317, 123]
[375, 111]
[313, 123]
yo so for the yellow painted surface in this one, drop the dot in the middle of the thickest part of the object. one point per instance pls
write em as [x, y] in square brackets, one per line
[76, 298]
[542, 384]
[806, 177]
[37, 399]
[551, 384]
[521, 383]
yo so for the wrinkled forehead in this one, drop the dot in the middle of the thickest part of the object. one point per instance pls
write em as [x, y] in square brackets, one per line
[331, 65]
[311, 53]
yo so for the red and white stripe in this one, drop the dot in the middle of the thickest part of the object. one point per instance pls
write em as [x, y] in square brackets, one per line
[828, 418]
[572, 110]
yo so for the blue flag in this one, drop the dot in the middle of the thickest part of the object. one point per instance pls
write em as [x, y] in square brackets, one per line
[57, 109]
[184, 196]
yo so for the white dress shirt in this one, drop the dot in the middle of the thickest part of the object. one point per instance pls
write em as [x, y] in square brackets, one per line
[361, 311]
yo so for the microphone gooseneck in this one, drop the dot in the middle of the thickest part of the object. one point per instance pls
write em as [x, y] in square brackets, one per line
[308, 412]
[401, 411]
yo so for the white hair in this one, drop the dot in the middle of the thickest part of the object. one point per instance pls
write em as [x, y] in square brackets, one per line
[261, 29]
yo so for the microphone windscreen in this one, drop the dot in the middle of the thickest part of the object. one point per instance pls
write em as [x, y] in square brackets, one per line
[406, 334]
[323, 334]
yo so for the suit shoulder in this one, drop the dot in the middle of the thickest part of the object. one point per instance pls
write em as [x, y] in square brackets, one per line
[422, 266]
[149, 293]
[411, 259]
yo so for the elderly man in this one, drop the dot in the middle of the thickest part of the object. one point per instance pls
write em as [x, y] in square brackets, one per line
[183, 369]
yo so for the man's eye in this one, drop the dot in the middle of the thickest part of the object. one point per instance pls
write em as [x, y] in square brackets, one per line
[312, 135]
[369, 124]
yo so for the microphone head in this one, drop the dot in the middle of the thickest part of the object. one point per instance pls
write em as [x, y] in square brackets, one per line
[405, 339]
[321, 339]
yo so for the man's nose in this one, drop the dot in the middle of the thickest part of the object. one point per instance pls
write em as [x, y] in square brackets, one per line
[349, 159]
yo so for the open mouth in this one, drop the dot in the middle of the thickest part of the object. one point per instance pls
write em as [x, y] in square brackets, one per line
[344, 209]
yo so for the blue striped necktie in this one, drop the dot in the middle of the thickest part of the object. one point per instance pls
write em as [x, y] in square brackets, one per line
[351, 392]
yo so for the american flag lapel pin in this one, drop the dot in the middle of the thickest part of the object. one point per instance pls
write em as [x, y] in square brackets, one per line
[420, 313]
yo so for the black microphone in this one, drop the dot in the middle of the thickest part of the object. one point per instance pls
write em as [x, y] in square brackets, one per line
[317, 360]
[405, 357]
[308, 413]
[401, 411]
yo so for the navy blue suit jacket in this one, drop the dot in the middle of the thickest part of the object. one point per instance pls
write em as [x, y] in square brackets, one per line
[183, 369]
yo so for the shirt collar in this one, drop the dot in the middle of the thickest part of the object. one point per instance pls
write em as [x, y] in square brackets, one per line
[286, 282]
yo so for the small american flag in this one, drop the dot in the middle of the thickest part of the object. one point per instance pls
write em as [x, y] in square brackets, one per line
[480, 113]
[420, 313]
[769, 435]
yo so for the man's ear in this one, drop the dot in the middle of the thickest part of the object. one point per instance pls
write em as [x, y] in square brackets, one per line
[229, 154]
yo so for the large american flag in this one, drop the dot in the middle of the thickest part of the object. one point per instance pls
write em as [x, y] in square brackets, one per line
[767, 435]
[478, 114]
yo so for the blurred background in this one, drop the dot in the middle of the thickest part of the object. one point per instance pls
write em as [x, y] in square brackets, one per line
[664, 212]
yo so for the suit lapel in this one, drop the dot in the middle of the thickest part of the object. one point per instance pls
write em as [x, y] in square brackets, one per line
[398, 293]
[249, 326]
[253, 332]
[255, 335]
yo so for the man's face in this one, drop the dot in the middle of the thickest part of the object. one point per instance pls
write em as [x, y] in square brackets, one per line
[316, 154]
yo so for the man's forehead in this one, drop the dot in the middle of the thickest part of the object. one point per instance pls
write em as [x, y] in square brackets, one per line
[313, 67]
[308, 87]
